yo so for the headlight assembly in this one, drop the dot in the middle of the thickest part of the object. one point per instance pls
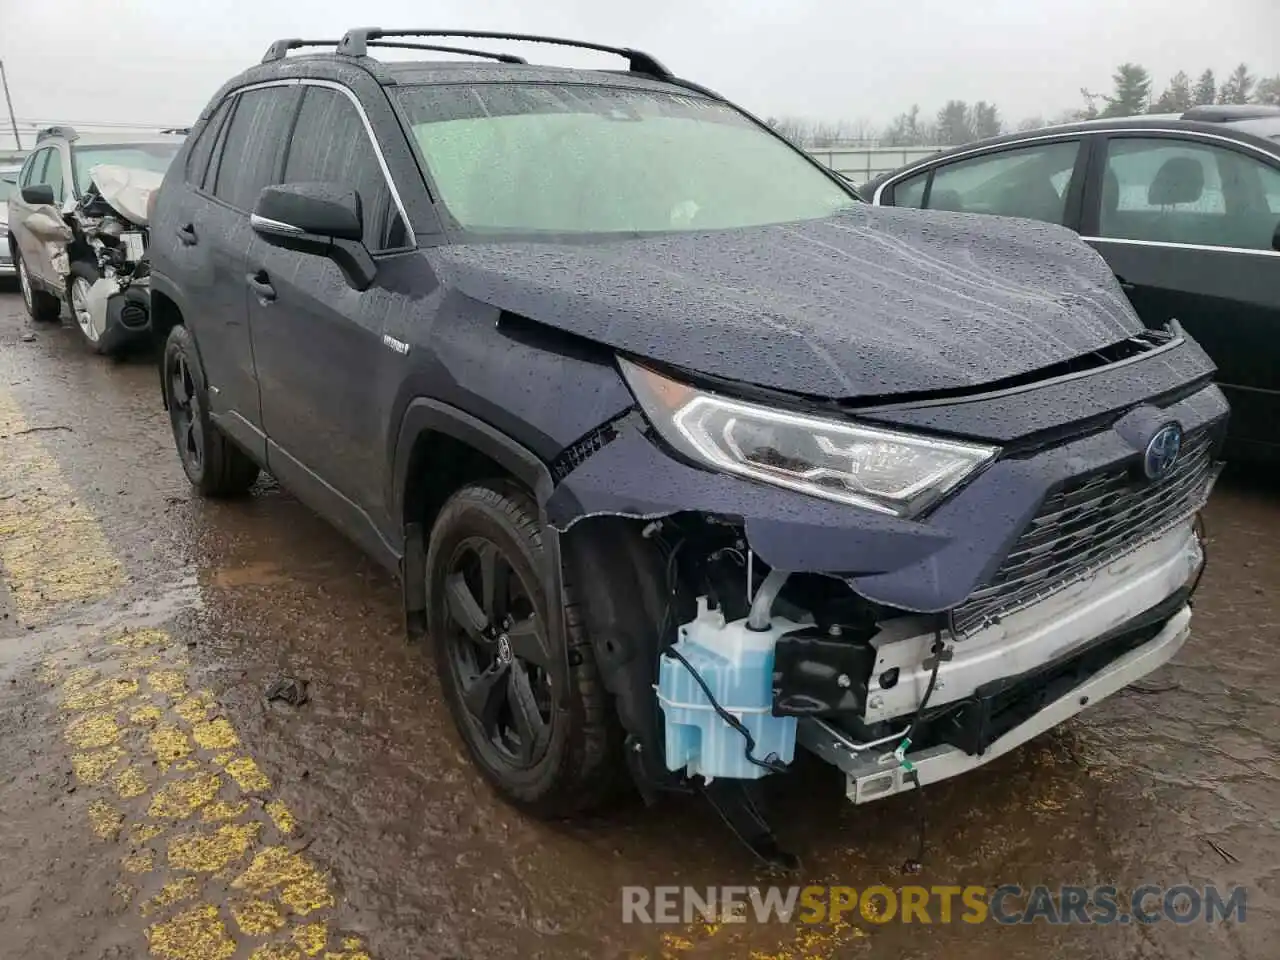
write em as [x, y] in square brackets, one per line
[877, 469]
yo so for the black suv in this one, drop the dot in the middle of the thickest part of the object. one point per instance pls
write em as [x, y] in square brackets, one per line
[683, 454]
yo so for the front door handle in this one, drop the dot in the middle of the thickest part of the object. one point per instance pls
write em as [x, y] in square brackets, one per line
[1125, 285]
[260, 284]
[187, 234]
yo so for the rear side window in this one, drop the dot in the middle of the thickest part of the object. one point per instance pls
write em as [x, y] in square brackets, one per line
[1164, 190]
[202, 149]
[331, 145]
[1026, 182]
[254, 145]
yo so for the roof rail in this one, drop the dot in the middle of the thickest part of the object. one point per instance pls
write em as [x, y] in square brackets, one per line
[1226, 112]
[440, 48]
[68, 133]
[281, 48]
[357, 41]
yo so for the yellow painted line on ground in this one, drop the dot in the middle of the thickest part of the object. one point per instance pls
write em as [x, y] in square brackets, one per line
[207, 854]
[52, 550]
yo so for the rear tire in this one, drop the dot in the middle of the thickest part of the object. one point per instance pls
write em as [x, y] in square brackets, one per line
[41, 307]
[215, 466]
[571, 764]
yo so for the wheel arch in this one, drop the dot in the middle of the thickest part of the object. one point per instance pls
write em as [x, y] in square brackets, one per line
[165, 315]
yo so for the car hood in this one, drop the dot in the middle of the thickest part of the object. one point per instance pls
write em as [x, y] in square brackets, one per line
[871, 302]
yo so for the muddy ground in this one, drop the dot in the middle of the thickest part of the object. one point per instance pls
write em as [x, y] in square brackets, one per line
[154, 803]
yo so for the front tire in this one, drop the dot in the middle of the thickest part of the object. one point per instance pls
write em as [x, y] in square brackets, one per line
[215, 466]
[41, 307]
[83, 277]
[487, 619]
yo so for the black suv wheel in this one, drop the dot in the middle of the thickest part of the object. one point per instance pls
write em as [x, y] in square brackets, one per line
[215, 466]
[494, 656]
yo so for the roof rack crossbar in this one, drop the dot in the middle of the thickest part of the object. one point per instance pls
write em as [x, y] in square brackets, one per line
[279, 49]
[356, 43]
[440, 48]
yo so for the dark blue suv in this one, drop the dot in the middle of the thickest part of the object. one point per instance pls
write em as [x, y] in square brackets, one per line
[684, 455]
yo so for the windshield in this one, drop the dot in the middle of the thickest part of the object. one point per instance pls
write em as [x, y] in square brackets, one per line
[569, 158]
[155, 157]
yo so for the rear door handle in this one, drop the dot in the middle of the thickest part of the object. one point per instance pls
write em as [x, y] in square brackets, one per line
[187, 234]
[260, 284]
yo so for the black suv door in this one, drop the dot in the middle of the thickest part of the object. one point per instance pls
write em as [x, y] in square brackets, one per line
[1188, 223]
[238, 152]
[323, 364]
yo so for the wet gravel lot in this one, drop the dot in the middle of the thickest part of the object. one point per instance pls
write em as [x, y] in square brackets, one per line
[156, 804]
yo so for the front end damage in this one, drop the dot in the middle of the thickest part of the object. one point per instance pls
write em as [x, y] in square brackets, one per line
[103, 260]
[902, 648]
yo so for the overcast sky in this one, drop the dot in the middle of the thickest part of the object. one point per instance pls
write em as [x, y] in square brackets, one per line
[158, 61]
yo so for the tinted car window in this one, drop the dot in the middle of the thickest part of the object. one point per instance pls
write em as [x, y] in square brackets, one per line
[202, 149]
[1173, 191]
[1025, 182]
[254, 145]
[331, 145]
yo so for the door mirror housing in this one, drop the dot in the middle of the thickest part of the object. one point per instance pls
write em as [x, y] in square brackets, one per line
[317, 218]
[39, 194]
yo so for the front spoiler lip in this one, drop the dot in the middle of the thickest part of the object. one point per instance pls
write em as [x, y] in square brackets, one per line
[877, 772]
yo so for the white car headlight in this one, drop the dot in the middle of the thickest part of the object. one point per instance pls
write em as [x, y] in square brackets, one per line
[895, 473]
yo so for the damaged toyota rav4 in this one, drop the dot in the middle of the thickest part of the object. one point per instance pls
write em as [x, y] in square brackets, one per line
[685, 457]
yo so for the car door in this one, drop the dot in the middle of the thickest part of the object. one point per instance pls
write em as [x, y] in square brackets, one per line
[210, 223]
[1039, 180]
[1188, 224]
[39, 227]
[318, 342]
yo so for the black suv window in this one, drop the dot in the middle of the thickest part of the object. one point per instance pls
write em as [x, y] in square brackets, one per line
[202, 149]
[254, 145]
[331, 145]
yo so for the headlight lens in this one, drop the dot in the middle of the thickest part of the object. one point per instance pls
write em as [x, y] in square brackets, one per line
[882, 470]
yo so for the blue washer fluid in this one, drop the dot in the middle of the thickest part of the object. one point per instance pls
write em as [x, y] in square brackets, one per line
[737, 664]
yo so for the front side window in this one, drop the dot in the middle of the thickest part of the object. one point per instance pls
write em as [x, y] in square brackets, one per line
[1026, 182]
[534, 158]
[254, 145]
[1164, 190]
[34, 167]
[331, 145]
[155, 157]
[53, 175]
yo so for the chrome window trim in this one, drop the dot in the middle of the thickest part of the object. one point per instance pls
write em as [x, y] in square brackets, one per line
[1183, 246]
[368, 129]
[932, 162]
[279, 226]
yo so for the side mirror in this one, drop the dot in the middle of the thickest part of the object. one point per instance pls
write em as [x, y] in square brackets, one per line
[318, 218]
[38, 194]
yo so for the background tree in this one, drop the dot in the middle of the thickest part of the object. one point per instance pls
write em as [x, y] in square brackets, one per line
[1268, 91]
[1132, 91]
[1030, 123]
[1238, 87]
[1206, 90]
[985, 120]
[953, 124]
[1177, 97]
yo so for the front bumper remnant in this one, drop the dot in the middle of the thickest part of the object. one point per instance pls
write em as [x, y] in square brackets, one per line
[872, 770]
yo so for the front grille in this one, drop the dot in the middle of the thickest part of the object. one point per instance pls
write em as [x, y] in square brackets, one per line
[1087, 524]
